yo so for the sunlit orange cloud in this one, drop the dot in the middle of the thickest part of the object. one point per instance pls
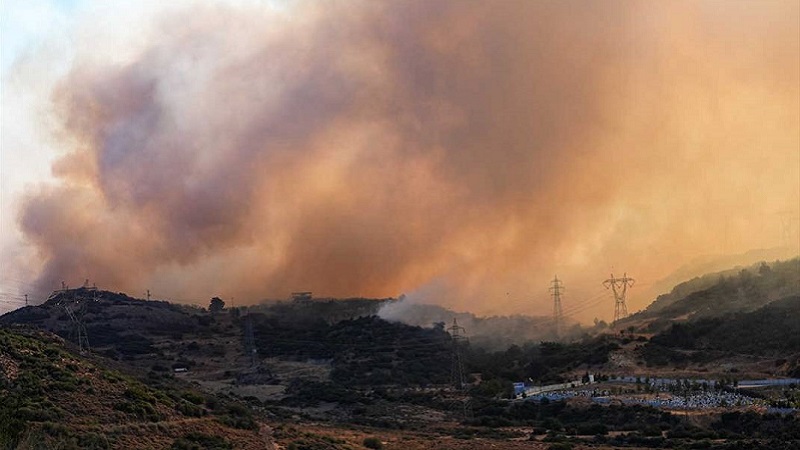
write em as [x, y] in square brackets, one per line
[460, 152]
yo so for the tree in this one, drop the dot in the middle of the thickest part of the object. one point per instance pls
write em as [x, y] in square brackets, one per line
[373, 443]
[216, 305]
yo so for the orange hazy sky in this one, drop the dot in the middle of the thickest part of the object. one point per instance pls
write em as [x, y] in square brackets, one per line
[461, 152]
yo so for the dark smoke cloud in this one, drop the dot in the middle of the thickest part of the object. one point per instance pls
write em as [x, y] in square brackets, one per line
[456, 149]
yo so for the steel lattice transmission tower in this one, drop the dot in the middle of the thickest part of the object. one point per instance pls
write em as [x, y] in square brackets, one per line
[458, 335]
[78, 332]
[620, 288]
[556, 288]
[75, 308]
[75, 313]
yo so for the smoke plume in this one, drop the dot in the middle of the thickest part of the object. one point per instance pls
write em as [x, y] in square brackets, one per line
[462, 152]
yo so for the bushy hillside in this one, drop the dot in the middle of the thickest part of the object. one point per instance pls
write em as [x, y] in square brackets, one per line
[723, 293]
[364, 351]
[117, 325]
[772, 330]
[54, 398]
[709, 268]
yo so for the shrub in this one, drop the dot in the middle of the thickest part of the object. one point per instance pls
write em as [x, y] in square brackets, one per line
[193, 397]
[560, 446]
[138, 393]
[373, 443]
[594, 428]
[198, 441]
[189, 409]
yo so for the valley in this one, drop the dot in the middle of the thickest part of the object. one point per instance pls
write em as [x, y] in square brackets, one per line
[95, 369]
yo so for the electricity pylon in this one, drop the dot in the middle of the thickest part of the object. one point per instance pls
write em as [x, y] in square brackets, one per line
[620, 288]
[78, 332]
[75, 309]
[555, 291]
[458, 334]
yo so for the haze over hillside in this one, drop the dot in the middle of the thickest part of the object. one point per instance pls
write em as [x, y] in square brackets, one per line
[706, 265]
[736, 290]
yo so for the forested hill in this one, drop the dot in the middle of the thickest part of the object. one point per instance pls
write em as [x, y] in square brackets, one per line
[722, 293]
[772, 331]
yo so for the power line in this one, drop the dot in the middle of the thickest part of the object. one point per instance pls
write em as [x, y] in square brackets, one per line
[14, 301]
[584, 305]
[16, 282]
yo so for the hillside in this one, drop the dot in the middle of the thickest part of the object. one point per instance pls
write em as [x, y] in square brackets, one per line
[305, 352]
[719, 294]
[734, 323]
[330, 375]
[772, 331]
[365, 351]
[704, 266]
[117, 325]
[54, 398]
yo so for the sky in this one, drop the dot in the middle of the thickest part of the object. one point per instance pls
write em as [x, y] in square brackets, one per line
[460, 152]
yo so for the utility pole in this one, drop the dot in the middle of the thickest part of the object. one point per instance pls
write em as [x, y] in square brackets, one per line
[26, 299]
[148, 295]
[620, 288]
[556, 288]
